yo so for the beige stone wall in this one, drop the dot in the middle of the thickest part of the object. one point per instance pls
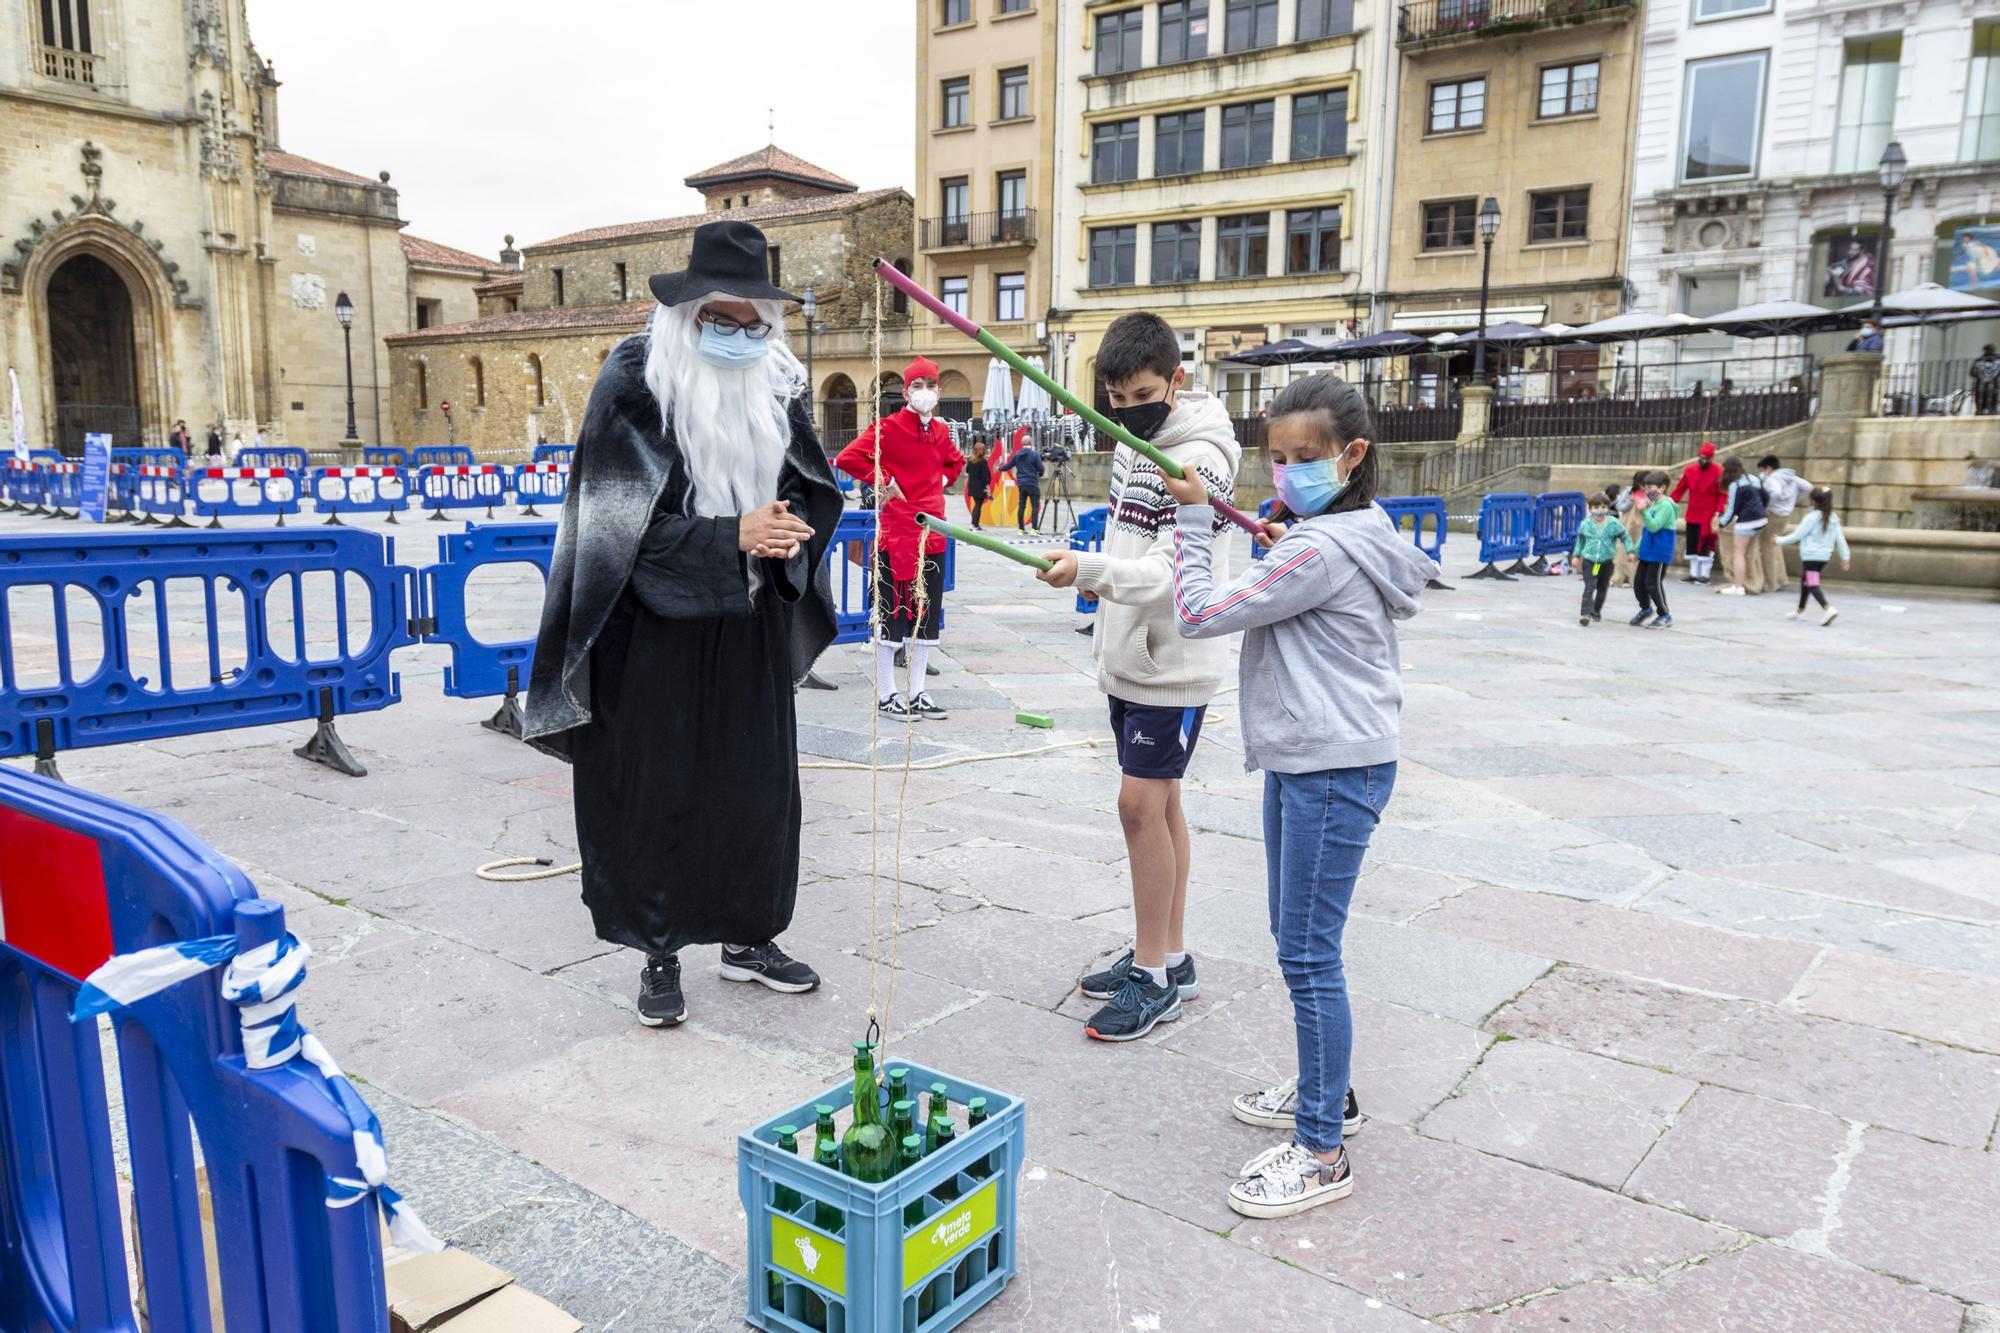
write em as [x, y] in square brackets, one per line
[1513, 155]
[509, 423]
[1895, 457]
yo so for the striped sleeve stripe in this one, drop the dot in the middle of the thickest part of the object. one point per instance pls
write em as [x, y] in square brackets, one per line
[1242, 594]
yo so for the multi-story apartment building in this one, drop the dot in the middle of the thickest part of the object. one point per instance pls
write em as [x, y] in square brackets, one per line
[1529, 103]
[1761, 132]
[1211, 167]
[986, 130]
[521, 373]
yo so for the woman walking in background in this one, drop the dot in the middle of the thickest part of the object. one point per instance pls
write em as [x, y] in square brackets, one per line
[1818, 536]
[1743, 517]
[978, 481]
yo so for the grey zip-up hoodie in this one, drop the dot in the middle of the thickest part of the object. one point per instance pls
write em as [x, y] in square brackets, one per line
[1322, 674]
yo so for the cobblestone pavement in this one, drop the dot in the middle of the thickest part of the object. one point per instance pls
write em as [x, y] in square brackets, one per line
[1676, 968]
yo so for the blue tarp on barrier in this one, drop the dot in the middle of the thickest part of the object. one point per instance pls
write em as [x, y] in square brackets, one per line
[84, 877]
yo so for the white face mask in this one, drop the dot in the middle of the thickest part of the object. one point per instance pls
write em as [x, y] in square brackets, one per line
[924, 401]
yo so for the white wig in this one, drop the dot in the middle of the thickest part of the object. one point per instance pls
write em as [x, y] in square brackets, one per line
[731, 424]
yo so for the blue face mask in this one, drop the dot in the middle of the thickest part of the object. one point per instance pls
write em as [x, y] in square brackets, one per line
[1308, 488]
[733, 350]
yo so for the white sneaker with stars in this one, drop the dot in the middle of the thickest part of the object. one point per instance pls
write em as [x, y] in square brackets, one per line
[1287, 1179]
[1278, 1108]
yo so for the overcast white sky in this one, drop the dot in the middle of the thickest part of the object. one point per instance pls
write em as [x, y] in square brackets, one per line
[540, 119]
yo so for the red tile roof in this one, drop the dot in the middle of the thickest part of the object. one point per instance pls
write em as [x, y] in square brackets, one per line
[293, 165]
[770, 160]
[506, 282]
[791, 208]
[433, 255]
[630, 315]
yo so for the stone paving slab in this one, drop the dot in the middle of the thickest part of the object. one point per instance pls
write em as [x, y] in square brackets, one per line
[1923, 1002]
[1761, 1287]
[1851, 1071]
[1545, 1106]
[1923, 1211]
[1871, 885]
[1760, 1165]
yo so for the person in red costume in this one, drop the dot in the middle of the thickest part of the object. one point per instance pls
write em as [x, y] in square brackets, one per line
[1700, 488]
[917, 460]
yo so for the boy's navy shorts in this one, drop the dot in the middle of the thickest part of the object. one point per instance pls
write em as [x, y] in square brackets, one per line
[1154, 742]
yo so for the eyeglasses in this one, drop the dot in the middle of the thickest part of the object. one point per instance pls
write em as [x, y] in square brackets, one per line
[756, 330]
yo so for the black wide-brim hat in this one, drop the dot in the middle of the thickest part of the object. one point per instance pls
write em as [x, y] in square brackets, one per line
[728, 257]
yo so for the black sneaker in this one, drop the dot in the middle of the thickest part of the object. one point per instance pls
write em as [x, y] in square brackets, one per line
[893, 706]
[1103, 985]
[768, 965]
[1137, 1008]
[925, 706]
[1641, 618]
[660, 1002]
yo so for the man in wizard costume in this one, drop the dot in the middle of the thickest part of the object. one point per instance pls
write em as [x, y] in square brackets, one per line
[686, 598]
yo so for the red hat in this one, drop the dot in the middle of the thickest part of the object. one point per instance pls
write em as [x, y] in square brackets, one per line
[1707, 449]
[923, 368]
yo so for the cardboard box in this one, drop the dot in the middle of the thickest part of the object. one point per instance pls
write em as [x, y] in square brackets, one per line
[426, 1289]
[512, 1310]
[135, 1260]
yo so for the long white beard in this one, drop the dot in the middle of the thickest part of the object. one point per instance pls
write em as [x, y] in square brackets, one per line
[730, 424]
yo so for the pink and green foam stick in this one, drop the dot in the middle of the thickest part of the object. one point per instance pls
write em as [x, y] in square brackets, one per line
[985, 540]
[908, 286]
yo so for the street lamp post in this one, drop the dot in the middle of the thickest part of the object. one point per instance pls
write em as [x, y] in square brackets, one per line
[344, 309]
[1489, 227]
[809, 306]
[1892, 169]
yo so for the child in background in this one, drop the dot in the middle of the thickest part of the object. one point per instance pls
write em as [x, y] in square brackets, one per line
[1597, 541]
[1158, 685]
[1631, 507]
[1818, 536]
[978, 481]
[1743, 517]
[1656, 552]
[1320, 713]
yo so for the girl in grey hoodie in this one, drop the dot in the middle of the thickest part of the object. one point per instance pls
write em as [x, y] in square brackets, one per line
[1321, 702]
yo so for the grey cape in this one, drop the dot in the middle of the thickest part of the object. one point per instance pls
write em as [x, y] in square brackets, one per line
[668, 684]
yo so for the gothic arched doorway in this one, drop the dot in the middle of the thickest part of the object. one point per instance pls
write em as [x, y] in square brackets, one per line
[93, 355]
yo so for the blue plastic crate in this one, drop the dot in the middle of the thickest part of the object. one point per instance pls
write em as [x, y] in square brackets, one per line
[870, 1273]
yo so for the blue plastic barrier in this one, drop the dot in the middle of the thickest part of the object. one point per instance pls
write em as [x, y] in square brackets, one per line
[243, 492]
[847, 566]
[1506, 532]
[62, 485]
[479, 668]
[545, 481]
[265, 658]
[15, 485]
[1088, 535]
[1427, 525]
[294, 460]
[441, 455]
[554, 453]
[1558, 518]
[359, 490]
[460, 486]
[121, 491]
[1264, 512]
[83, 877]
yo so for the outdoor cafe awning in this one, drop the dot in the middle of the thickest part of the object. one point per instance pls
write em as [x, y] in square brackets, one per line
[1465, 320]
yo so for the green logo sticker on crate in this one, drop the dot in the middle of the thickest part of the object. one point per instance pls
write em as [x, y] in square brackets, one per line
[808, 1254]
[950, 1233]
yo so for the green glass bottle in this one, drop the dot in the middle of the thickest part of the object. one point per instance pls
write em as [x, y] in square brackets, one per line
[823, 1131]
[825, 1216]
[899, 1084]
[903, 1119]
[867, 1153]
[944, 1132]
[912, 1153]
[784, 1199]
[975, 1116]
[939, 1107]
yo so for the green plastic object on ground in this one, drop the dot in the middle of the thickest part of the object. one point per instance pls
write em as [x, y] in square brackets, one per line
[1034, 720]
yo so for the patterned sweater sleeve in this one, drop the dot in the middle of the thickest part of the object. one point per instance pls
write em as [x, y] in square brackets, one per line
[1148, 578]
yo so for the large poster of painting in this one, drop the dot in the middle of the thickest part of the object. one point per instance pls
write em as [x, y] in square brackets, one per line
[1850, 268]
[1975, 259]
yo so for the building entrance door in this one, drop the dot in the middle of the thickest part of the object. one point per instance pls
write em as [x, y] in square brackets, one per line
[93, 355]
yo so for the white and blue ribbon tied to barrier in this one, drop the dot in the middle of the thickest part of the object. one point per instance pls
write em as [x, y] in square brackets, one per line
[263, 983]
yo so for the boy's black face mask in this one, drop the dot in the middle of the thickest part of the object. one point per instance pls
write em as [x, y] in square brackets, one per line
[1143, 419]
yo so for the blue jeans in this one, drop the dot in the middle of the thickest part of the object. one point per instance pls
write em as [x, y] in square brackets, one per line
[1316, 830]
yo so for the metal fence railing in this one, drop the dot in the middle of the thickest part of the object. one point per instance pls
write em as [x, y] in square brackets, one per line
[1431, 20]
[1016, 227]
[1937, 388]
[1685, 413]
[1470, 464]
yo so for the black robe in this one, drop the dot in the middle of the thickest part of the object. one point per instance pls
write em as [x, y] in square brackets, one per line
[669, 687]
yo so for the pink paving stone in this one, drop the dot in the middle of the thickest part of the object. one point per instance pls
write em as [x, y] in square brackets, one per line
[1855, 881]
[1614, 940]
[1437, 1228]
[1744, 1161]
[1941, 1005]
[1765, 1287]
[1855, 1072]
[1925, 1212]
[1563, 1110]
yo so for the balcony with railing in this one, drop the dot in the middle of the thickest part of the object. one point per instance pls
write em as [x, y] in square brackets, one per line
[1422, 23]
[70, 66]
[975, 230]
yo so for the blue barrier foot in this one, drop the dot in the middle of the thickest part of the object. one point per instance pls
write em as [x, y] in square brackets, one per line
[1490, 572]
[1438, 585]
[215, 520]
[392, 516]
[508, 721]
[326, 747]
[45, 750]
[333, 520]
[180, 522]
[529, 512]
[1518, 567]
[437, 516]
[1087, 630]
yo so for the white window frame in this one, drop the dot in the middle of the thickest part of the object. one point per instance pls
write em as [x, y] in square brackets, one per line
[1688, 71]
[1694, 8]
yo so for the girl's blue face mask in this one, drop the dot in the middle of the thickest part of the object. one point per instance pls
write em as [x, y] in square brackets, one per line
[732, 350]
[1309, 488]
